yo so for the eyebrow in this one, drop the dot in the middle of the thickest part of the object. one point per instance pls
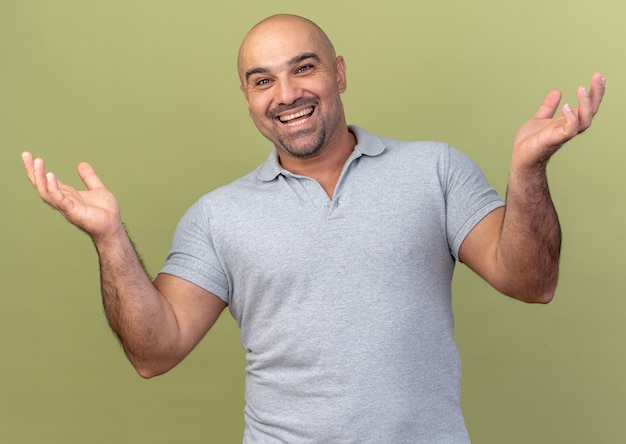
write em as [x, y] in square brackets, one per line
[294, 61]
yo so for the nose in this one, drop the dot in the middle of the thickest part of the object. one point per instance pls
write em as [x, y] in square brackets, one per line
[288, 91]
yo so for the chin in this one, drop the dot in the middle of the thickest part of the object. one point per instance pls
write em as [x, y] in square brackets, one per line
[302, 150]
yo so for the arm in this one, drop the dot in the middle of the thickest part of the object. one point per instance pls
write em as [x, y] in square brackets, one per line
[158, 323]
[517, 248]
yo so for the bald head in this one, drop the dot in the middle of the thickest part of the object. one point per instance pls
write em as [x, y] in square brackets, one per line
[292, 81]
[271, 36]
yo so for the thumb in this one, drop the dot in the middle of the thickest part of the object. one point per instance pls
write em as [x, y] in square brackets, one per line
[88, 176]
[549, 105]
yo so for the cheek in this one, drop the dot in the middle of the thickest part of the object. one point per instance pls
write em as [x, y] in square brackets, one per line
[257, 108]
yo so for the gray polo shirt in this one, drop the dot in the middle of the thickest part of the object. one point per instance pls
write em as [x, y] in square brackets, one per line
[344, 304]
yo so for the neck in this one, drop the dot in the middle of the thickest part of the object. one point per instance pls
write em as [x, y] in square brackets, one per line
[326, 166]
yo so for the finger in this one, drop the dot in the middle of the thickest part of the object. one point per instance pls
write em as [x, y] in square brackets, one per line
[589, 100]
[571, 125]
[549, 105]
[55, 195]
[88, 176]
[47, 185]
[27, 160]
[596, 92]
[39, 180]
[585, 109]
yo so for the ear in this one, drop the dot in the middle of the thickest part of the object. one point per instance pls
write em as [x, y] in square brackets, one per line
[340, 73]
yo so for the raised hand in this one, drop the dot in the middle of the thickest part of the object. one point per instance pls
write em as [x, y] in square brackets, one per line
[541, 136]
[95, 210]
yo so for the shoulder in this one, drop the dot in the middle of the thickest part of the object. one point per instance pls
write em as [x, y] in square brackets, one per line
[235, 189]
[237, 199]
[375, 145]
[422, 160]
[413, 155]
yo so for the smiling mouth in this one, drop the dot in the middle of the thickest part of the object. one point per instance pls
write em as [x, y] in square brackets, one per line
[297, 118]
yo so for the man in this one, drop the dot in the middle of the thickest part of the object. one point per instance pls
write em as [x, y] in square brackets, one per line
[335, 256]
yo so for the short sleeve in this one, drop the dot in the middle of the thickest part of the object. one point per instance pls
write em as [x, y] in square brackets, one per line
[469, 197]
[193, 256]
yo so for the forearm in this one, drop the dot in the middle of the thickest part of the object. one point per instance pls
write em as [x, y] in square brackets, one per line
[530, 242]
[155, 332]
[138, 314]
[517, 249]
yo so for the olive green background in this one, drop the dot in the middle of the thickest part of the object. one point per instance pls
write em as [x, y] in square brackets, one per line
[147, 92]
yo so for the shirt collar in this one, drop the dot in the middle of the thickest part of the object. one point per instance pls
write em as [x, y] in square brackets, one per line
[367, 144]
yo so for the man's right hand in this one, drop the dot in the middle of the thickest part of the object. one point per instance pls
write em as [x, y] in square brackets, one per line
[95, 210]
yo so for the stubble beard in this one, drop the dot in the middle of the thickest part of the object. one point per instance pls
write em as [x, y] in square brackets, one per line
[305, 143]
[292, 145]
[299, 144]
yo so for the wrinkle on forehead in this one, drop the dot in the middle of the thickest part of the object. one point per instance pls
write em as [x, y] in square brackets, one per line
[277, 28]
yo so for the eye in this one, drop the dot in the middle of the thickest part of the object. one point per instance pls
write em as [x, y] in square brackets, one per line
[304, 68]
[262, 82]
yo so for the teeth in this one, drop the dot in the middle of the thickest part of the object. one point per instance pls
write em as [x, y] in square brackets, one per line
[304, 112]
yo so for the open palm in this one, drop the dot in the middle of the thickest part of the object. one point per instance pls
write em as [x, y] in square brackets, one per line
[94, 210]
[541, 136]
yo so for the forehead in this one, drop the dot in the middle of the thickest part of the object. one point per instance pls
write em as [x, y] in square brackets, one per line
[273, 45]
